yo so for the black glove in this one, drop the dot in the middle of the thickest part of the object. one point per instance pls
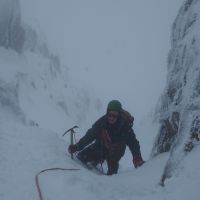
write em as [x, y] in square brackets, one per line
[72, 148]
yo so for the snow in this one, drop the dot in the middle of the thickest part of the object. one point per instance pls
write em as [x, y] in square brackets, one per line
[32, 149]
[40, 98]
[126, 185]
[25, 151]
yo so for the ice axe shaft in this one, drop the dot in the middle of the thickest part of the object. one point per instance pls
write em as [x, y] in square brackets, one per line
[72, 142]
[71, 130]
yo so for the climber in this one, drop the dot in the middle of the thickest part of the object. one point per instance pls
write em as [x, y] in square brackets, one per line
[107, 140]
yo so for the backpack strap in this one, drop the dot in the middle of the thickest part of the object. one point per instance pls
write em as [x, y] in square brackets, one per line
[127, 120]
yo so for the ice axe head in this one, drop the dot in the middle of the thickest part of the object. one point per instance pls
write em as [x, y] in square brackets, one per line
[70, 130]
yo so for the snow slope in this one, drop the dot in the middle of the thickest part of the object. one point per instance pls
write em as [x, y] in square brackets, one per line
[38, 102]
[24, 151]
[27, 150]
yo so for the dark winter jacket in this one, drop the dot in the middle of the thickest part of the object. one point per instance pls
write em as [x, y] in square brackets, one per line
[121, 132]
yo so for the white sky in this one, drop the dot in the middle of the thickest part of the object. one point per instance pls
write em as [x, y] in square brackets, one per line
[117, 47]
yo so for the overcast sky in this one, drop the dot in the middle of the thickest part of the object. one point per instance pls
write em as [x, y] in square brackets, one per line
[117, 47]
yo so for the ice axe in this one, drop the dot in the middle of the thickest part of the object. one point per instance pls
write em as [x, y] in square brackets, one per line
[72, 131]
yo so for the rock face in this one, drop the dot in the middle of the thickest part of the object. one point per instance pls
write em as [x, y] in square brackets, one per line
[179, 107]
[12, 34]
[19, 36]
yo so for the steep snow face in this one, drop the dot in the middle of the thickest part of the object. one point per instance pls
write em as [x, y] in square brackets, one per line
[35, 93]
[179, 109]
[34, 85]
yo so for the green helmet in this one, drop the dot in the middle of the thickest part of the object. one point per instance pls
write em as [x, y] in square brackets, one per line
[114, 105]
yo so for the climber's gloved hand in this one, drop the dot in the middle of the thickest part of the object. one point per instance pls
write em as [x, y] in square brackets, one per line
[72, 148]
[138, 161]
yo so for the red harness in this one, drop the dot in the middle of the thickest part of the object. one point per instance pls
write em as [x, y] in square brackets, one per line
[106, 138]
[108, 142]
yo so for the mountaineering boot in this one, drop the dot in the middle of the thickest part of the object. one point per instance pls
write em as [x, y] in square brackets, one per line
[112, 169]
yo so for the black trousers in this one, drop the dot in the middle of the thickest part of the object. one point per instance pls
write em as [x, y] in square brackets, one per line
[97, 155]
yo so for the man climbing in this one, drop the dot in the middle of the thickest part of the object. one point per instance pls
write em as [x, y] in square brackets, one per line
[107, 139]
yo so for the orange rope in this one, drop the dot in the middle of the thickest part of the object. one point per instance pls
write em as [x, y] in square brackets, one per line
[45, 170]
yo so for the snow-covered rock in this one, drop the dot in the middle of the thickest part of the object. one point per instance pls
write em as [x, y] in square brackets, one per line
[12, 34]
[38, 103]
[34, 85]
[179, 107]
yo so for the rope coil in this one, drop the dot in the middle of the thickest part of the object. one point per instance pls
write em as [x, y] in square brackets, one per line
[45, 170]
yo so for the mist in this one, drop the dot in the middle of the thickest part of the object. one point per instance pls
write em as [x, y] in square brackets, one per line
[118, 49]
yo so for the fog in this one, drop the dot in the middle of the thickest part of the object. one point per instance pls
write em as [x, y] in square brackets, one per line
[116, 48]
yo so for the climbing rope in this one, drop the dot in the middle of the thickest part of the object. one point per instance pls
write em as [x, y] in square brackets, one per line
[45, 170]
